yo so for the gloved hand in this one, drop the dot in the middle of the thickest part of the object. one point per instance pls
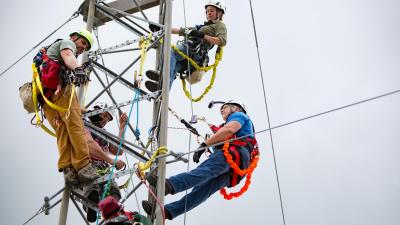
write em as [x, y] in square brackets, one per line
[196, 33]
[80, 76]
[154, 28]
[196, 155]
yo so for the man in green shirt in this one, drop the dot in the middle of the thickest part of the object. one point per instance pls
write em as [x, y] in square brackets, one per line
[200, 39]
[73, 150]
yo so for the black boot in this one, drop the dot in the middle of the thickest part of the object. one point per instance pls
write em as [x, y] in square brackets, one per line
[152, 179]
[91, 215]
[153, 75]
[148, 208]
[152, 86]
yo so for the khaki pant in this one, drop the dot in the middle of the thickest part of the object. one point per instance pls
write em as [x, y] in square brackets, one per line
[71, 142]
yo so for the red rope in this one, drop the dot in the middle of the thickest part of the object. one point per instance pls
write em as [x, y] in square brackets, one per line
[236, 169]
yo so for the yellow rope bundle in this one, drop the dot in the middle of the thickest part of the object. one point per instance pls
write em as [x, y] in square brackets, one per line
[218, 57]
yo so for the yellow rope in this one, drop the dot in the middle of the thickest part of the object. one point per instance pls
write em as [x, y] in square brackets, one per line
[218, 57]
[145, 166]
[35, 103]
[36, 83]
[143, 44]
[104, 171]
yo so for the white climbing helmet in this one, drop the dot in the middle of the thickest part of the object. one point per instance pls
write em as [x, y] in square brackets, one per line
[236, 103]
[102, 105]
[219, 4]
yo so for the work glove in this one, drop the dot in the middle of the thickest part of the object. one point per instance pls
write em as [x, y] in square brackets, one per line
[80, 76]
[196, 155]
[196, 33]
[154, 28]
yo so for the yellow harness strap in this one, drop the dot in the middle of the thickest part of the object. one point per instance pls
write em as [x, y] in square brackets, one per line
[36, 83]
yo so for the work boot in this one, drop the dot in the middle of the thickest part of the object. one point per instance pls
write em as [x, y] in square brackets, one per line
[153, 75]
[148, 208]
[70, 176]
[91, 215]
[152, 86]
[87, 174]
[152, 179]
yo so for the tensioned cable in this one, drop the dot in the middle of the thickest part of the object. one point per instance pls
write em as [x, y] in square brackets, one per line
[266, 109]
[191, 107]
[74, 15]
[299, 120]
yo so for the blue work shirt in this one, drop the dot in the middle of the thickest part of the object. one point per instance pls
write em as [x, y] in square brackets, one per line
[245, 123]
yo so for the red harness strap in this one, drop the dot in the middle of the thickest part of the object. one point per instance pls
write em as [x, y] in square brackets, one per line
[236, 155]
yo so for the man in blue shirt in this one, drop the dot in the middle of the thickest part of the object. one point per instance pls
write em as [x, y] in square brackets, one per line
[214, 173]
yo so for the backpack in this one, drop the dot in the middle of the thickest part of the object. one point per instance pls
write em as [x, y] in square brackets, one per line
[49, 71]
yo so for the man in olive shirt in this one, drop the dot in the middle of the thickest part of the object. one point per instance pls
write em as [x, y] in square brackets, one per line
[73, 150]
[212, 32]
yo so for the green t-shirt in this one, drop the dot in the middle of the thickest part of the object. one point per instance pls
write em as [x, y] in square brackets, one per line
[54, 50]
[215, 28]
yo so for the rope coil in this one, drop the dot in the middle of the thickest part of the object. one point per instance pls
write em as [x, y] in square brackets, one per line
[248, 172]
[218, 58]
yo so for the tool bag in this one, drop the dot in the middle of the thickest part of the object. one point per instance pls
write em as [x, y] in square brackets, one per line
[25, 93]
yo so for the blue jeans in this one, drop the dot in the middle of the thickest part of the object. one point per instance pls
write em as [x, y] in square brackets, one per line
[209, 177]
[178, 63]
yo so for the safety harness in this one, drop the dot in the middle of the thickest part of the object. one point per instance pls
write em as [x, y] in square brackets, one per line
[196, 47]
[231, 151]
[52, 72]
[46, 80]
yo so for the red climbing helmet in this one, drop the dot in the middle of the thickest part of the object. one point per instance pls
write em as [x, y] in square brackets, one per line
[109, 207]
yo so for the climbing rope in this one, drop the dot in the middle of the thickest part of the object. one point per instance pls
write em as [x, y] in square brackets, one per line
[267, 111]
[143, 44]
[74, 15]
[154, 196]
[191, 110]
[107, 186]
[218, 57]
[145, 166]
[248, 172]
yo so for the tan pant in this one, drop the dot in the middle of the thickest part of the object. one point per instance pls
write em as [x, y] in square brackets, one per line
[71, 142]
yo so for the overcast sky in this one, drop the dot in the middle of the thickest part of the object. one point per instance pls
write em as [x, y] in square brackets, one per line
[339, 168]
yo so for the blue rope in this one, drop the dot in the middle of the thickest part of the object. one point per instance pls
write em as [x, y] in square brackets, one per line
[135, 98]
[137, 131]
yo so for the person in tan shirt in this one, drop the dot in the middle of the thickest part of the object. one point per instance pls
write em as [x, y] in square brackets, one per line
[199, 40]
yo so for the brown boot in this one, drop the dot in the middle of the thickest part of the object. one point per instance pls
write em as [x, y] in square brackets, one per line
[70, 176]
[87, 174]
